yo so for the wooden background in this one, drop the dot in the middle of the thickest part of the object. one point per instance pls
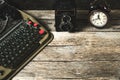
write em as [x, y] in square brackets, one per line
[89, 54]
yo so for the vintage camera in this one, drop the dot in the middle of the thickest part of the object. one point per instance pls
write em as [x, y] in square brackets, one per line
[65, 15]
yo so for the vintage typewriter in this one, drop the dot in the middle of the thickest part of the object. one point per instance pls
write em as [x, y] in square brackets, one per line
[21, 39]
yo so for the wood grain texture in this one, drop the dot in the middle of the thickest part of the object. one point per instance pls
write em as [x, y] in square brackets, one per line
[39, 78]
[91, 39]
[70, 79]
[77, 56]
[92, 54]
[73, 54]
[88, 69]
[48, 16]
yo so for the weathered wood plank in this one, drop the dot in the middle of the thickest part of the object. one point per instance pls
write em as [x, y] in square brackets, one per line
[40, 78]
[79, 53]
[53, 62]
[25, 78]
[88, 55]
[81, 14]
[87, 69]
[103, 45]
[83, 25]
[91, 39]
[86, 27]
[82, 46]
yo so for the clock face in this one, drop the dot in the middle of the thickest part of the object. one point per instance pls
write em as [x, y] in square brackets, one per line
[98, 19]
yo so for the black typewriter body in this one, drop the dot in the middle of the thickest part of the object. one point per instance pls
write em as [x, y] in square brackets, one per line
[21, 39]
[19, 46]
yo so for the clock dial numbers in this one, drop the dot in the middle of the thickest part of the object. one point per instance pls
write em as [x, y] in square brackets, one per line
[98, 19]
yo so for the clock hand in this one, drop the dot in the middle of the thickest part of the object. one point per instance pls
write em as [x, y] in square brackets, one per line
[98, 16]
[95, 19]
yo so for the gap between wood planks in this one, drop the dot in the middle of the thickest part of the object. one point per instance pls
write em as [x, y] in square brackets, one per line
[41, 78]
[83, 70]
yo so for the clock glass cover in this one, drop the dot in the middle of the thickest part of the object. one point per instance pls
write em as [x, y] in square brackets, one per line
[98, 19]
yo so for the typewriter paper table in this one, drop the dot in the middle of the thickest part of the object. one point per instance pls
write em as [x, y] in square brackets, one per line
[92, 54]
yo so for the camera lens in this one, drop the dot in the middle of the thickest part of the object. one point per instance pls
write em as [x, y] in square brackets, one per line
[66, 18]
[66, 26]
[66, 23]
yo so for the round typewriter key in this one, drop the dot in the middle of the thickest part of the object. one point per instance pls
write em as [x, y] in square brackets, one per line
[35, 25]
[30, 22]
[27, 45]
[41, 32]
[23, 48]
[3, 59]
[20, 51]
[12, 58]
[5, 65]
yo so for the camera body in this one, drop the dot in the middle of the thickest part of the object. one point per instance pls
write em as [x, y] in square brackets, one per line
[65, 15]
